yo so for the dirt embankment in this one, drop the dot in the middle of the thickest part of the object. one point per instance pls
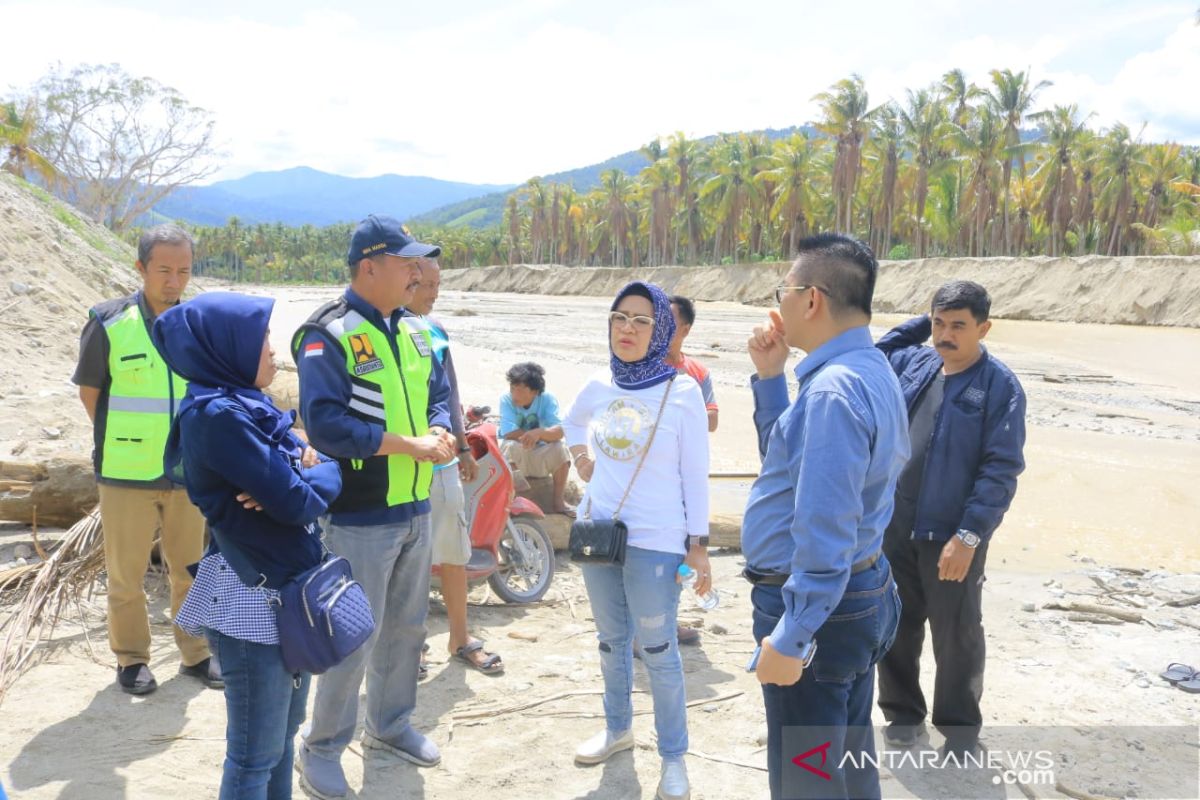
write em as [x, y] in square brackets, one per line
[1140, 290]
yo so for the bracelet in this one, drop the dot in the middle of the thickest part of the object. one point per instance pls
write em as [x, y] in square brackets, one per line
[575, 460]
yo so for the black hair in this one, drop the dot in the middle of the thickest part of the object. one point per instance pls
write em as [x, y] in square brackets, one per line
[527, 373]
[843, 266]
[963, 294]
[687, 309]
[168, 234]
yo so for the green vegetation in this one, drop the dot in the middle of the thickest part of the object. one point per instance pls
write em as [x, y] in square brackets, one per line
[954, 170]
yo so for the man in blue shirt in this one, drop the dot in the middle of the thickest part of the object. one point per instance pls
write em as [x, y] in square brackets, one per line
[966, 415]
[373, 396]
[825, 605]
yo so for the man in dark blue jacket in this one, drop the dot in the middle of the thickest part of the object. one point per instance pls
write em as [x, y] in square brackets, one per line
[966, 415]
[374, 397]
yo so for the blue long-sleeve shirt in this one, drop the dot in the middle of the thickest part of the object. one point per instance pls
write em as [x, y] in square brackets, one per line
[324, 402]
[825, 492]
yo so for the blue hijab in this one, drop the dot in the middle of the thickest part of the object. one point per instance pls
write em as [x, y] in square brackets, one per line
[652, 369]
[215, 343]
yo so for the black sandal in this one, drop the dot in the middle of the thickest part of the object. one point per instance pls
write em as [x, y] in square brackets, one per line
[491, 665]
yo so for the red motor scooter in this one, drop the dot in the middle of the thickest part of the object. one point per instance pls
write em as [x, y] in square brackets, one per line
[509, 548]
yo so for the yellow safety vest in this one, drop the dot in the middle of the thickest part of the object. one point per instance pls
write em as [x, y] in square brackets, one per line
[142, 398]
[389, 386]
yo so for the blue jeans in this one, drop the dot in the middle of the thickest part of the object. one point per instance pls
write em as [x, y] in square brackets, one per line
[834, 696]
[265, 709]
[392, 563]
[640, 598]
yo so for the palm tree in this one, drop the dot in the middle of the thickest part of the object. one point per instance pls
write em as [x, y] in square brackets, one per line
[1120, 161]
[17, 132]
[925, 126]
[1164, 167]
[790, 172]
[729, 191]
[980, 145]
[959, 94]
[683, 153]
[617, 189]
[512, 216]
[1063, 128]
[657, 180]
[1011, 97]
[847, 116]
[888, 139]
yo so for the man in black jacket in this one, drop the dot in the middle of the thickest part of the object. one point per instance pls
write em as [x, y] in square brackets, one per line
[966, 415]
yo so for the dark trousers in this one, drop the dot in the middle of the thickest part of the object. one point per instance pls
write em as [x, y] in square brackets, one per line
[954, 611]
[832, 701]
[265, 708]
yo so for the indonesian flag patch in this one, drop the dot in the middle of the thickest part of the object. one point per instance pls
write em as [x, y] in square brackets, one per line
[314, 349]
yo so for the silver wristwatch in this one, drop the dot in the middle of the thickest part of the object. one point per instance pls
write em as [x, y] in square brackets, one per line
[969, 538]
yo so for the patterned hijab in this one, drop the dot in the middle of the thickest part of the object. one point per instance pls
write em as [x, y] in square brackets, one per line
[652, 368]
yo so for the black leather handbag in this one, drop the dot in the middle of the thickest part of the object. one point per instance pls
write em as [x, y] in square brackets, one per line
[603, 541]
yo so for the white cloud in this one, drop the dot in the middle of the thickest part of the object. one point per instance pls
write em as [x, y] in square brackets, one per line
[536, 86]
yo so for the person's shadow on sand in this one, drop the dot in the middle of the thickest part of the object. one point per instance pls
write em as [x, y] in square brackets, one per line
[89, 749]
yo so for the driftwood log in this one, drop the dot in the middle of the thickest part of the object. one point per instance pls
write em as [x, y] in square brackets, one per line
[62, 489]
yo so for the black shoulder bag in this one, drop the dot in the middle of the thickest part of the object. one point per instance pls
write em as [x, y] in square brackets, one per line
[603, 541]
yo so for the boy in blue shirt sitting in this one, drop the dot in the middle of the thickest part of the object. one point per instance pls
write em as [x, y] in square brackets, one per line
[531, 434]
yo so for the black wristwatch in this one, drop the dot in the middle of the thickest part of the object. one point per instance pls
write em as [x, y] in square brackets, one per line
[702, 541]
[466, 448]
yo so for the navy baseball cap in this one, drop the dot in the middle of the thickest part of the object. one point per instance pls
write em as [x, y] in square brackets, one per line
[378, 234]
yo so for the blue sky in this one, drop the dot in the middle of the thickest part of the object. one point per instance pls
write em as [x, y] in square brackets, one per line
[499, 91]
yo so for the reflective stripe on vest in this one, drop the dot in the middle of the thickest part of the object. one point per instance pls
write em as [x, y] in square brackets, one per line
[142, 399]
[388, 391]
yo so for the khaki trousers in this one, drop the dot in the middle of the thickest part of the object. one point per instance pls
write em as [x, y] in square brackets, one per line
[132, 518]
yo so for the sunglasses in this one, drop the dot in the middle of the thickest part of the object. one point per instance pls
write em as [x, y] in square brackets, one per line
[618, 320]
[780, 291]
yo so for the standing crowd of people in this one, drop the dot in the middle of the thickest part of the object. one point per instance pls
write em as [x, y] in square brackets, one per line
[883, 479]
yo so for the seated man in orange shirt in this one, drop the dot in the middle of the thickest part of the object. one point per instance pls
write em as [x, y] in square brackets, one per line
[685, 317]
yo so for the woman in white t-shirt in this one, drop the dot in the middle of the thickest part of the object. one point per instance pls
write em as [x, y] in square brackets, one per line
[666, 512]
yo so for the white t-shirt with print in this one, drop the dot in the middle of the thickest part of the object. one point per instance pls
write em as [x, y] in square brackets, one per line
[669, 499]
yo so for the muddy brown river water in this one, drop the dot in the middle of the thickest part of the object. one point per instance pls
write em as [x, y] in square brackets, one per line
[1113, 449]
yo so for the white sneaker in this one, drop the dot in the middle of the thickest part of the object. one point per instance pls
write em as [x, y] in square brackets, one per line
[602, 745]
[673, 785]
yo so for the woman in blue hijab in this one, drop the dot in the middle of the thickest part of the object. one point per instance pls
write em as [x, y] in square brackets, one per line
[261, 488]
[638, 433]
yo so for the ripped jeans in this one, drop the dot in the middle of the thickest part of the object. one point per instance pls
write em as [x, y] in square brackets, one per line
[640, 598]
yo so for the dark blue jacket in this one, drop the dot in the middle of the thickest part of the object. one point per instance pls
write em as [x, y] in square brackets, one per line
[230, 438]
[975, 453]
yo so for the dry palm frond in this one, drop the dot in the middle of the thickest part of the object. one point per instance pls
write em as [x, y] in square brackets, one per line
[42, 592]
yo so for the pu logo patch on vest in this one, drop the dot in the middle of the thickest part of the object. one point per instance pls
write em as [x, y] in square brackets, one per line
[365, 360]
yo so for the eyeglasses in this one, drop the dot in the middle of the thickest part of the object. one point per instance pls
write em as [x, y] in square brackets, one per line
[780, 291]
[618, 320]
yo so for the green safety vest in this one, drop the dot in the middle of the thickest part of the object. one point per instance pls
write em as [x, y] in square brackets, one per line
[389, 386]
[142, 399]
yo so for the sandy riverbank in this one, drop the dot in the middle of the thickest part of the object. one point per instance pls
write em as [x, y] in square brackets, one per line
[1114, 456]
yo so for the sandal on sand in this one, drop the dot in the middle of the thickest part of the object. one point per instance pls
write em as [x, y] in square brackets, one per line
[1191, 685]
[489, 665]
[1176, 672]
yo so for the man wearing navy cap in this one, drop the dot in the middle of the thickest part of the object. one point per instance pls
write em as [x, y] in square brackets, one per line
[373, 397]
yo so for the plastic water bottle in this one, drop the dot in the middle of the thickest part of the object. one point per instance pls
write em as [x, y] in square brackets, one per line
[709, 600]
